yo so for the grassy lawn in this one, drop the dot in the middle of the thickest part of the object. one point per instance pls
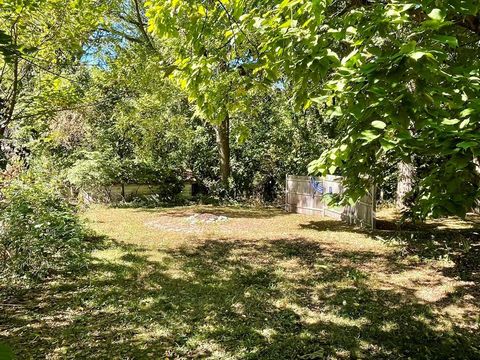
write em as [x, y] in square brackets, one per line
[262, 285]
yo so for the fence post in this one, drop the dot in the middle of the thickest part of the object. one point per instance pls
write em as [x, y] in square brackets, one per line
[374, 206]
[324, 203]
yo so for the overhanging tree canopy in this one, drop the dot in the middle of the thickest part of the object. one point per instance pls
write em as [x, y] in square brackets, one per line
[400, 78]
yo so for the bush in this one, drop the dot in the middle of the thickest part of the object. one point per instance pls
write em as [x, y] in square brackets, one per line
[170, 187]
[40, 233]
[93, 171]
[96, 173]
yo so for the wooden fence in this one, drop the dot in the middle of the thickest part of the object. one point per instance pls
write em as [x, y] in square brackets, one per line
[311, 195]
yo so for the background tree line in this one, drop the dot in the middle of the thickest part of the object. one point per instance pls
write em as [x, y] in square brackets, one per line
[109, 112]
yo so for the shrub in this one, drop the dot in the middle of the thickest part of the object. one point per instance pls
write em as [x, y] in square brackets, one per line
[170, 187]
[96, 173]
[92, 171]
[40, 233]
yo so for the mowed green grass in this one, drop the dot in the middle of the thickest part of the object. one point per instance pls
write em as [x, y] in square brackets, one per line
[262, 285]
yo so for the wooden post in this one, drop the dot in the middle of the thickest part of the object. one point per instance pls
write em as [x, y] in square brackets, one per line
[374, 206]
[323, 198]
[287, 208]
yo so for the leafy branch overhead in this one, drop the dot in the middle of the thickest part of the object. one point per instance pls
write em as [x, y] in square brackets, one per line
[399, 78]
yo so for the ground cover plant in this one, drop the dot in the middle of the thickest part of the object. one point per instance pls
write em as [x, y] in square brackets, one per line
[40, 233]
[260, 284]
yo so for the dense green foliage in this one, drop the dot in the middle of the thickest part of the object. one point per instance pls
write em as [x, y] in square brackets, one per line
[40, 233]
[274, 142]
[41, 43]
[400, 79]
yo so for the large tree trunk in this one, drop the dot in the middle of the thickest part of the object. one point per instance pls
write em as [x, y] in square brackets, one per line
[222, 132]
[405, 184]
[406, 170]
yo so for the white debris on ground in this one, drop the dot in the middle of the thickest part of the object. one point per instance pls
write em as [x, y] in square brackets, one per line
[206, 218]
[188, 224]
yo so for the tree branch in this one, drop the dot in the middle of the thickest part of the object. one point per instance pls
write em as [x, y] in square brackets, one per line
[13, 100]
[232, 19]
[141, 25]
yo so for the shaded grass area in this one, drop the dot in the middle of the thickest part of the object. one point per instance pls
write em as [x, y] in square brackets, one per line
[264, 285]
[389, 218]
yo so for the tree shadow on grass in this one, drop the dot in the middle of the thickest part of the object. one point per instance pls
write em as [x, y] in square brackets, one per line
[327, 224]
[280, 299]
[460, 246]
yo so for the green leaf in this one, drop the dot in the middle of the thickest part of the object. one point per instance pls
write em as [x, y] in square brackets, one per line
[452, 41]
[408, 47]
[464, 123]
[417, 55]
[201, 10]
[450, 121]
[369, 135]
[387, 145]
[333, 56]
[287, 24]
[467, 112]
[379, 124]
[467, 144]
[436, 14]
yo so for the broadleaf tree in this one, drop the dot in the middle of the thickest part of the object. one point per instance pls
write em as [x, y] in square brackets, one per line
[211, 59]
[400, 79]
[41, 43]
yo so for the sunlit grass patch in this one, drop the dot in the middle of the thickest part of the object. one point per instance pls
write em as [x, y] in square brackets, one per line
[111, 254]
[262, 285]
